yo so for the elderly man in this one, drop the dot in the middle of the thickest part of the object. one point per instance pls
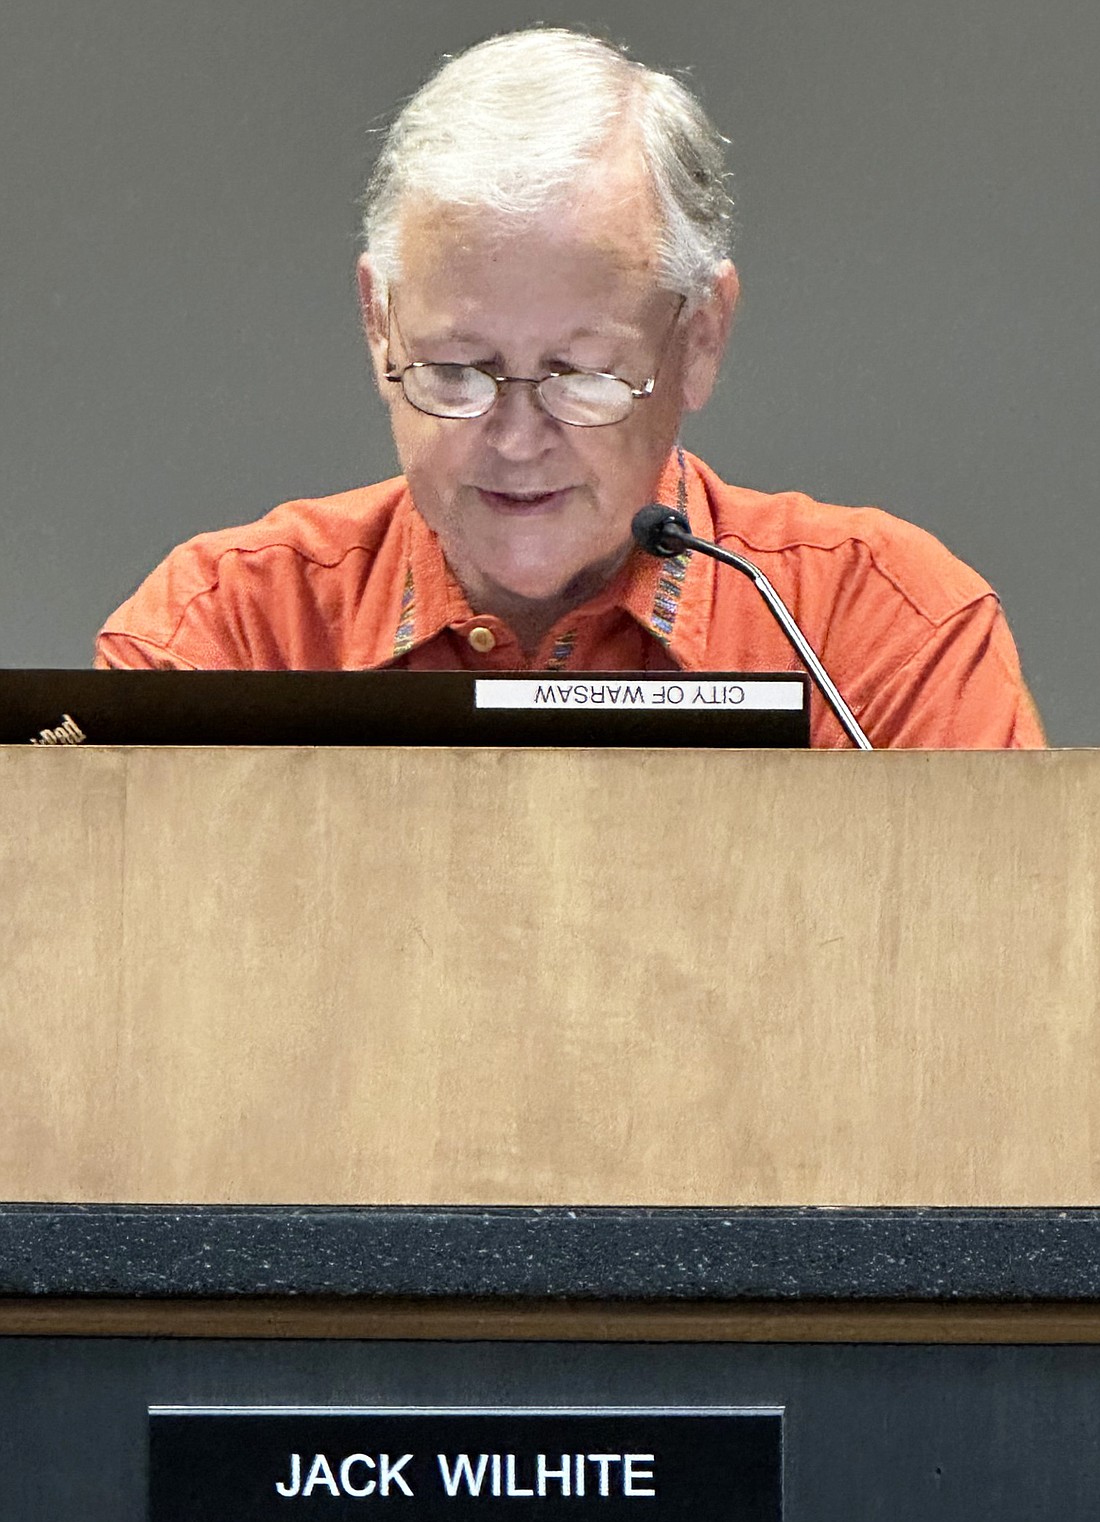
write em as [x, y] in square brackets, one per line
[546, 289]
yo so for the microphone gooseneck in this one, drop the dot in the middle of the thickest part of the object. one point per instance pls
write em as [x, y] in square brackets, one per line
[664, 532]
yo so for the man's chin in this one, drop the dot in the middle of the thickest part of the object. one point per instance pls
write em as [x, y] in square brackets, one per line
[546, 585]
[535, 589]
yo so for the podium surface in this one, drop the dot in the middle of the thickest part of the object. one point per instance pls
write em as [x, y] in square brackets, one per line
[550, 977]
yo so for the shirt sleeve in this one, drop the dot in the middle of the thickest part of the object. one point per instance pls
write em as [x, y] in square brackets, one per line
[116, 651]
[191, 613]
[962, 689]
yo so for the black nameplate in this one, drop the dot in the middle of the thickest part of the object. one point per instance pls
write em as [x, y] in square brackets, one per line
[702, 708]
[634, 1464]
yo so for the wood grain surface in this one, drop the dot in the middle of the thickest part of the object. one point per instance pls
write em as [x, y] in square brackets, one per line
[617, 977]
[383, 1321]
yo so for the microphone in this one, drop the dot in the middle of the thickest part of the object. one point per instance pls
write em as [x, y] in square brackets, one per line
[664, 532]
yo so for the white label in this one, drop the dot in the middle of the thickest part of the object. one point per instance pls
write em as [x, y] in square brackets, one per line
[685, 692]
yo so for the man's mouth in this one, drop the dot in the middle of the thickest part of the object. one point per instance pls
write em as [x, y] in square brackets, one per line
[522, 501]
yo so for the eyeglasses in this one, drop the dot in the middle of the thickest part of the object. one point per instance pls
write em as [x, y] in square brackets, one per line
[581, 398]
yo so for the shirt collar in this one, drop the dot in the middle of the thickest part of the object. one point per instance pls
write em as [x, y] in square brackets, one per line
[671, 598]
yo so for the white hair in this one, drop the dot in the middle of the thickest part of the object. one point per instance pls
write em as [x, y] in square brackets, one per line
[511, 124]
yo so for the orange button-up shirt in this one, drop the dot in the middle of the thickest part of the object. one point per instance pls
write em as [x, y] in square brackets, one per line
[915, 640]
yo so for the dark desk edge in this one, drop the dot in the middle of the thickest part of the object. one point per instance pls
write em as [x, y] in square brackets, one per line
[435, 1253]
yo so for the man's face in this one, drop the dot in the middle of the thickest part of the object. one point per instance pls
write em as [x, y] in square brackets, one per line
[525, 505]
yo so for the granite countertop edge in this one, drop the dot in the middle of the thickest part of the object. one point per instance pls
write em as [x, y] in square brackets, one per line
[539, 1253]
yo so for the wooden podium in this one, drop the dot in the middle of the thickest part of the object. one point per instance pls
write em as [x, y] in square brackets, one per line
[766, 1047]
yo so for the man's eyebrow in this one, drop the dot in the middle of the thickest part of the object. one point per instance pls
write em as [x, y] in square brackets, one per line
[452, 336]
[614, 333]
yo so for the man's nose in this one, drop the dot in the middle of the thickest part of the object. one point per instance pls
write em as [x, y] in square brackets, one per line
[519, 426]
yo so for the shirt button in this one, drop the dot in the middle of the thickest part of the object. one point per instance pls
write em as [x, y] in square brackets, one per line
[483, 640]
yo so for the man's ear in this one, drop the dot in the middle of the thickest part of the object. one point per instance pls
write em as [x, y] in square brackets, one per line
[708, 330]
[372, 314]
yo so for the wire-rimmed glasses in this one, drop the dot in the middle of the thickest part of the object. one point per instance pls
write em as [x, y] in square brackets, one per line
[581, 398]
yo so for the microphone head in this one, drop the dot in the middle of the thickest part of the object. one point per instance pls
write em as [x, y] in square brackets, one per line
[650, 527]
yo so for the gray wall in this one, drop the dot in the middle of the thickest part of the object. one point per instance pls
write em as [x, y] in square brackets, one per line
[919, 235]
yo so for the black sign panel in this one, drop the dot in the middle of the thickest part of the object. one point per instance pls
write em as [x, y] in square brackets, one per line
[700, 708]
[635, 1464]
